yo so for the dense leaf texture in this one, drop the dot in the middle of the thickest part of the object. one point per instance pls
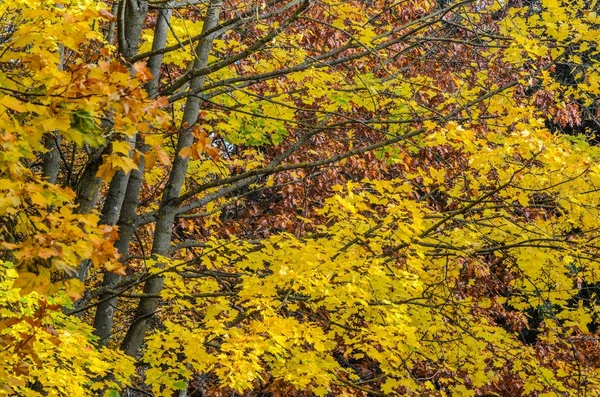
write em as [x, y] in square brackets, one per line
[299, 198]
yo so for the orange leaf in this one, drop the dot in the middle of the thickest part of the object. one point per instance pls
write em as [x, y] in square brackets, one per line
[162, 156]
[185, 152]
[143, 72]
[212, 151]
[107, 15]
[161, 102]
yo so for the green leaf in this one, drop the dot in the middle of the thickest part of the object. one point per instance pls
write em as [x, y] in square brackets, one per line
[180, 385]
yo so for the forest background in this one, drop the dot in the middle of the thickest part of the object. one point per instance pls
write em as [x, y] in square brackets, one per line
[299, 197]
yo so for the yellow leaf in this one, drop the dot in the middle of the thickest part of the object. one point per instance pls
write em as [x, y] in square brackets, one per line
[74, 288]
[122, 147]
[13, 103]
[29, 282]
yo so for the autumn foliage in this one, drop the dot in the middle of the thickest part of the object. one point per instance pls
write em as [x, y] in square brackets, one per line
[299, 197]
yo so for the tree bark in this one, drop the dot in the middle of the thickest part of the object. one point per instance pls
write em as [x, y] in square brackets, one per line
[110, 34]
[104, 317]
[160, 39]
[129, 28]
[51, 159]
[129, 31]
[89, 184]
[166, 216]
[103, 320]
[110, 211]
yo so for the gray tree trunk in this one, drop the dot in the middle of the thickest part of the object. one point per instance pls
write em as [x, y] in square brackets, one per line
[110, 34]
[110, 211]
[129, 25]
[160, 39]
[51, 159]
[104, 318]
[166, 216]
[129, 30]
[89, 184]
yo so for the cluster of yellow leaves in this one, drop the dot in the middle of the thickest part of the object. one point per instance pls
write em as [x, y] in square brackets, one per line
[379, 279]
[39, 226]
[557, 34]
[45, 352]
[41, 232]
[41, 96]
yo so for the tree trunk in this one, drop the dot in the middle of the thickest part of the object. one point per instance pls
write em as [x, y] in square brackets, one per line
[89, 184]
[110, 210]
[160, 39]
[129, 28]
[104, 318]
[131, 18]
[166, 216]
[51, 159]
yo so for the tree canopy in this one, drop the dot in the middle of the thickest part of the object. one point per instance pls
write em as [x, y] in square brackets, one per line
[299, 197]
